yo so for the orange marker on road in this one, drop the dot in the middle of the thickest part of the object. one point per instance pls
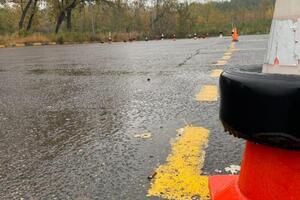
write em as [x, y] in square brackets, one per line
[235, 35]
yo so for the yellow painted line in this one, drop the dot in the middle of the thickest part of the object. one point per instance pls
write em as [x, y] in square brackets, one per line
[20, 45]
[216, 73]
[232, 50]
[180, 178]
[221, 62]
[232, 47]
[226, 57]
[208, 93]
[228, 53]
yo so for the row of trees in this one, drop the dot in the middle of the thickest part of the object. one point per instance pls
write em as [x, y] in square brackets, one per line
[145, 17]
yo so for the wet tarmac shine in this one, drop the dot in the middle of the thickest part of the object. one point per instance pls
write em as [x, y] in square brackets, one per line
[70, 115]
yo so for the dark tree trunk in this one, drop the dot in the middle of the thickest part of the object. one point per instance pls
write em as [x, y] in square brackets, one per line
[69, 14]
[23, 15]
[32, 15]
[69, 20]
[60, 19]
[66, 12]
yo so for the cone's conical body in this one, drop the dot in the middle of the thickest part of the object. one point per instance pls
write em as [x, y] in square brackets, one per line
[283, 54]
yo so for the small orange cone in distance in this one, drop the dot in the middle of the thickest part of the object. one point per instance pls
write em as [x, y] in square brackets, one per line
[174, 37]
[235, 35]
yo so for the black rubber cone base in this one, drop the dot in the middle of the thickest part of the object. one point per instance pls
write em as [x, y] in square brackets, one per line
[263, 108]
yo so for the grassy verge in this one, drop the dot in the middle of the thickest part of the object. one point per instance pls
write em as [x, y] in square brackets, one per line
[245, 28]
[16, 39]
[63, 38]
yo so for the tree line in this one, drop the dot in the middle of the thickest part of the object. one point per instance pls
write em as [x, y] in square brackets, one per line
[133, 18]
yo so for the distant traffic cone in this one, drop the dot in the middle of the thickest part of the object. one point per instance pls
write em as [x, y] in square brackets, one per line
[263, 108]
[235, 35]
[109, 37]
[221, 34]
[195, 36]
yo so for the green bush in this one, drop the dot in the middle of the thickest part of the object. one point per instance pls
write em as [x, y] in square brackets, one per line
[60, 39]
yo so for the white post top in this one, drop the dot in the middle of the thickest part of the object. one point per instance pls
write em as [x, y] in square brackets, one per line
[283, 56]
[287, 9]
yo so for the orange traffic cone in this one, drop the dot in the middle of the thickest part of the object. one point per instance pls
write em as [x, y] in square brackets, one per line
[263, 108]
[267, 173]
[235, 35]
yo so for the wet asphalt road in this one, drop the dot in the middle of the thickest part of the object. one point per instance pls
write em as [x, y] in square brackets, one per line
[68, 114]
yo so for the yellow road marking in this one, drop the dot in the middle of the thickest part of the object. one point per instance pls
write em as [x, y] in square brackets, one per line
[216, 73]
[232, 46]
[226, 57]
[221, 62]
[228, 53]
[180, 178]
[208, 93]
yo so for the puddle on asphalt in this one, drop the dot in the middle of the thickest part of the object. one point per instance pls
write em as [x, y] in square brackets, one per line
[38, 71]
[73, 72]
[62, 72]
[89, 72]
